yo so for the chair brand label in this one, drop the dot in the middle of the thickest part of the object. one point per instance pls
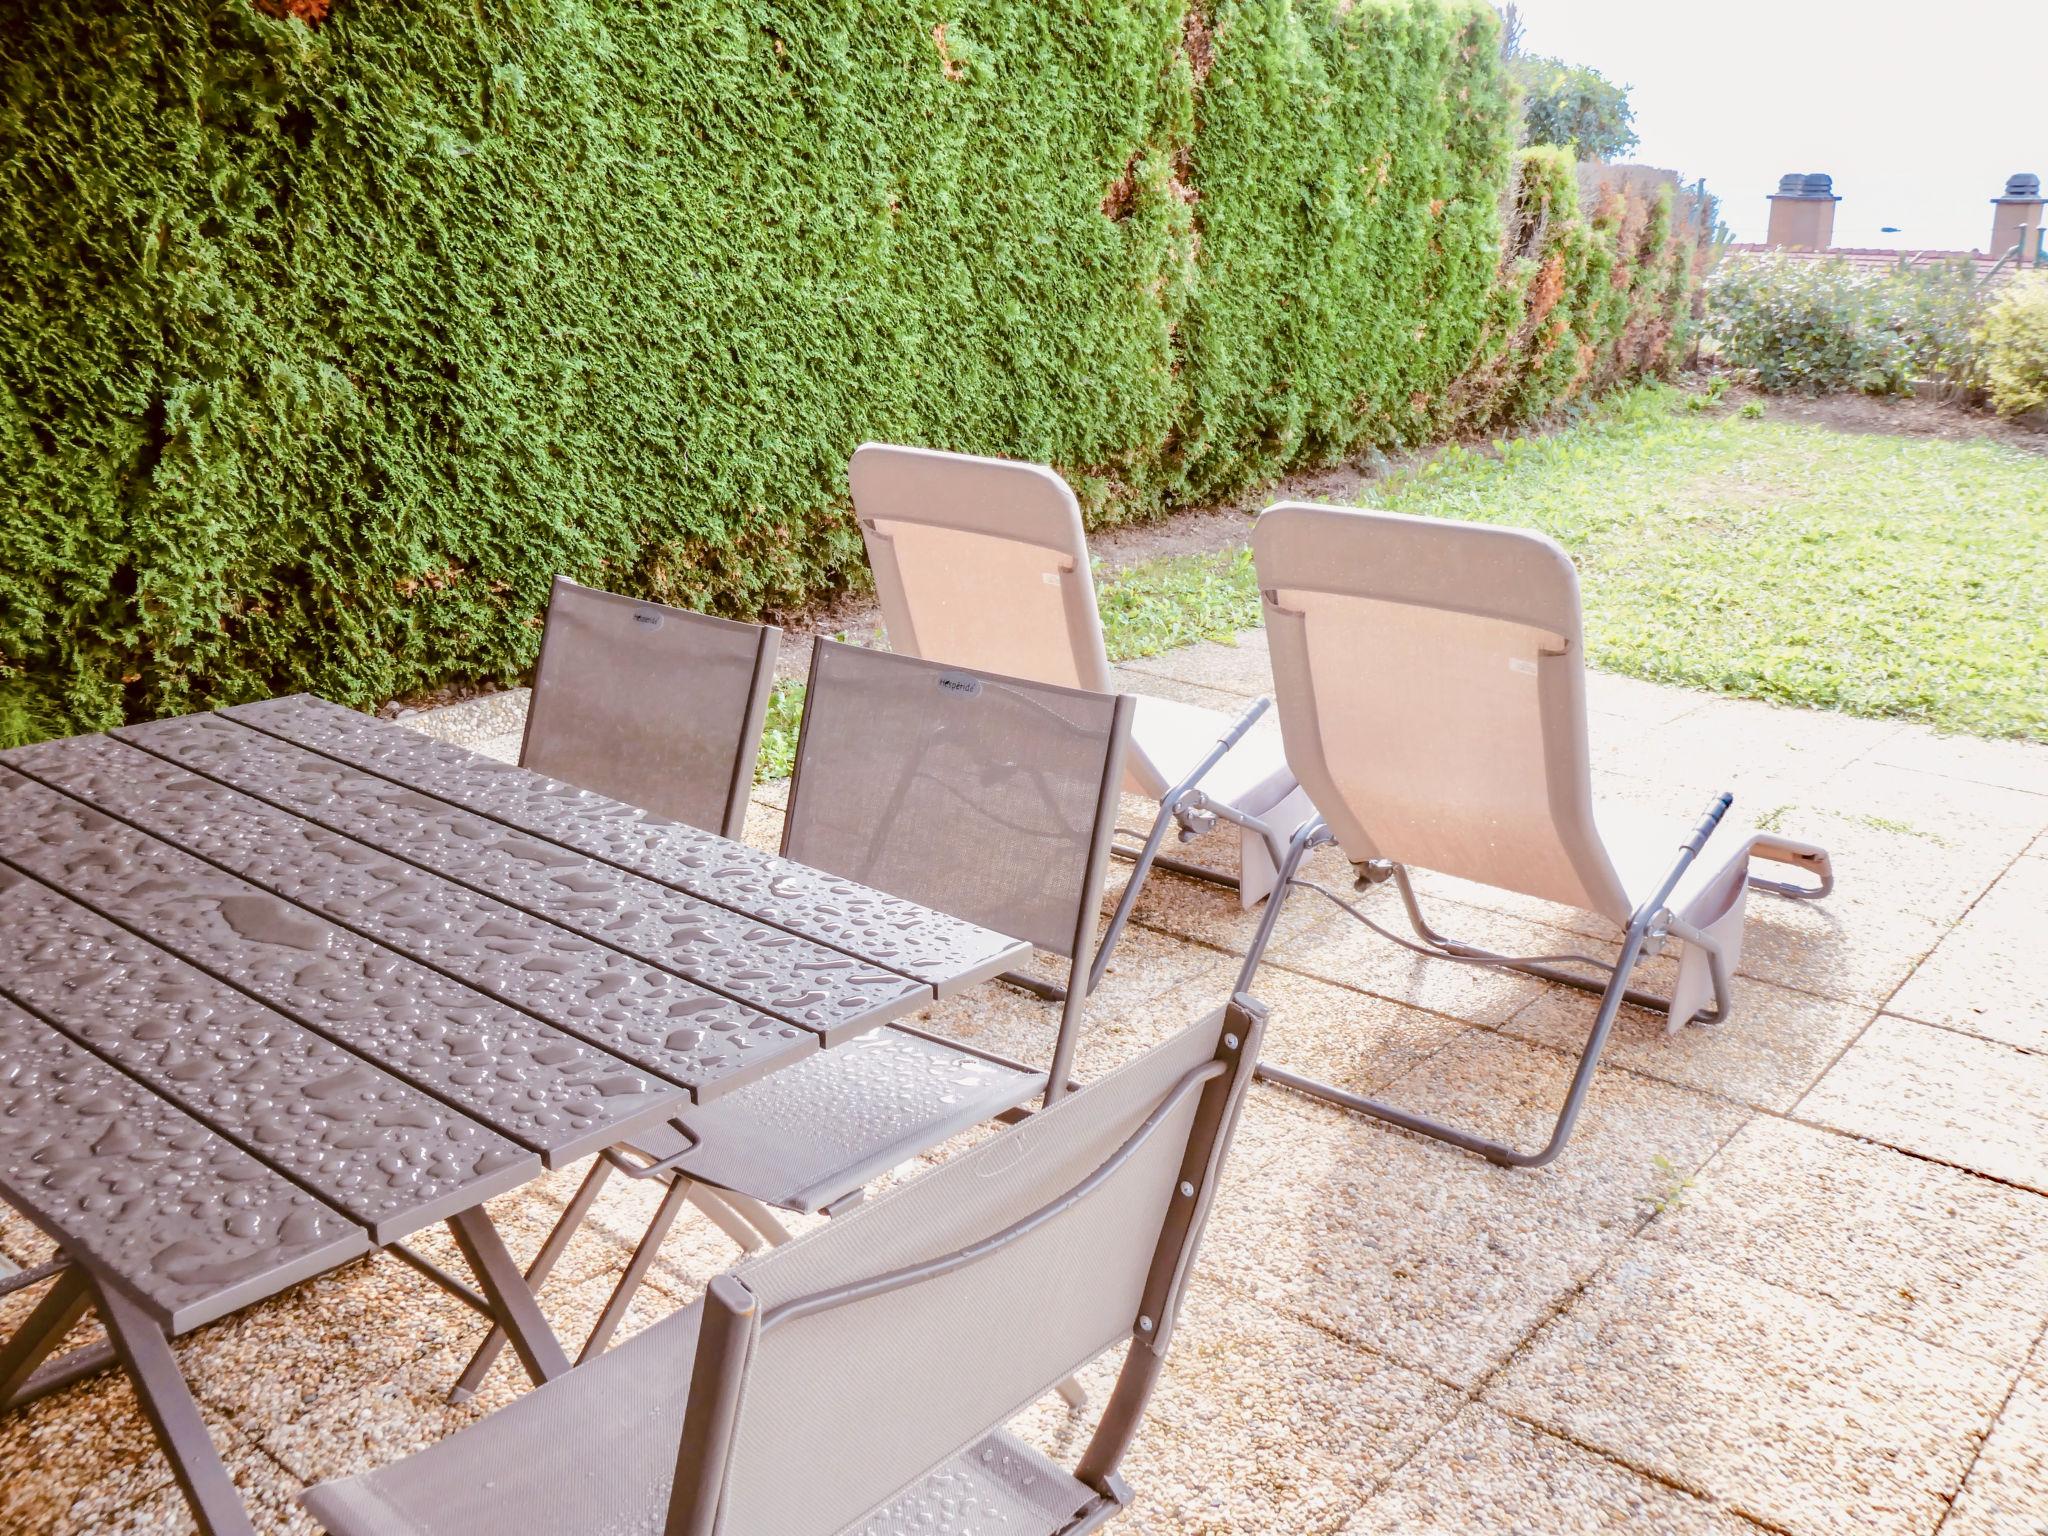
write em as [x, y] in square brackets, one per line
[960, 683]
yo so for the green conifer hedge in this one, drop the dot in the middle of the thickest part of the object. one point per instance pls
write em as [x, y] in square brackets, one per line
[323, 348]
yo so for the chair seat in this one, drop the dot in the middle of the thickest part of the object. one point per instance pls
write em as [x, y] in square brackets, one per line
[593, 1454]
[1169, 740]
[998, 1486]
[811, 1135]
[593, 1451]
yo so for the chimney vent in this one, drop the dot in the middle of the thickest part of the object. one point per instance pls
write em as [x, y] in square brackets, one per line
[2016, 217]
[1803, 211]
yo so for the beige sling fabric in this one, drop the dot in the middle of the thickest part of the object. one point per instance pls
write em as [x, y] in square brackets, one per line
[1434, 711]
[983, 563]
[1430, 680]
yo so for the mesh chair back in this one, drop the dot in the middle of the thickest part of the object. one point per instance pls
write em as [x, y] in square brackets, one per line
[1432, 696]
[980, 563]
[840, 1409]
[981, 796]
[655, 706]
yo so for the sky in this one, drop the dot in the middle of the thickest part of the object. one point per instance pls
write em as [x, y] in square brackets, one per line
[1919, 111]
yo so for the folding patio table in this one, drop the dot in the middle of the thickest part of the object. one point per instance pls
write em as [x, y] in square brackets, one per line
[284, 985]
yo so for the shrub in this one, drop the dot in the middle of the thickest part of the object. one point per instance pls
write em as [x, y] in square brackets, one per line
[1801, 325]
[2015, 342]
[1574, 107]
[1595, 288]
[1348, 170]
[322, 349]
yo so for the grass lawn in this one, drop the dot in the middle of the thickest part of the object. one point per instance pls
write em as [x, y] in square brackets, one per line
[1886, 576]
[1883, 576]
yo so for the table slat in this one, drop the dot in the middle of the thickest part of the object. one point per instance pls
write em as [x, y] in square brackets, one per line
[362, 1140]
[944, 952]
[762, 966]
[534, 1084]
[188, 1223]
[642, 1014]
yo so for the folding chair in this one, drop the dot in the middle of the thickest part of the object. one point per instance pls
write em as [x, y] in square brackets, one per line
[983, 563]
[659, 707]
[980, 796]
[857, 1380]
[1431, 686]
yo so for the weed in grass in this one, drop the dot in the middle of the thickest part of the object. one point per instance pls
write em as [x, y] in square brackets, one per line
[1178, 600]
[778, 736]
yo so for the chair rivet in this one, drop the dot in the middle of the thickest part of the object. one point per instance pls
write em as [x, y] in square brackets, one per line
[1230, 1042]
[1187, 1190]
[1144, 1325]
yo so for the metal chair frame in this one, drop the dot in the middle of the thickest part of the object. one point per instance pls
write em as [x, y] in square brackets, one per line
[1651, 925]
[733, 1319]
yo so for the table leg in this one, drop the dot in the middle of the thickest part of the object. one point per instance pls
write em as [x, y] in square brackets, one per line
[145, 1350]
[537, 1273]
[672, 1203]
[54, 1316]
[512, 1300]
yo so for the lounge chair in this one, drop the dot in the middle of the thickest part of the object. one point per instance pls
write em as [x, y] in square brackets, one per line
[983, 563]
[983, 797]
[857, 1380]
[1431, 687]
[659, 707]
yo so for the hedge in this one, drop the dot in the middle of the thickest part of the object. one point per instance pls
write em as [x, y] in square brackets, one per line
[324, 347]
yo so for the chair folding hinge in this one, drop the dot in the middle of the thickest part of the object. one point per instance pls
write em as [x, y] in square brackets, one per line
[1195, 817]
[1655, 936]
[1373, 872]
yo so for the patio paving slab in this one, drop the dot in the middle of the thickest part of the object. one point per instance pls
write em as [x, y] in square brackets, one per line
[1346, 1037]
[1434, 1258]
[1638, 703]
[1490, 1473]
[1345, 951]
[1989, 976]
[1977, 1104]
[1779, 1407]
[1958, 811]
[318, 1341]
[1240, 669]
[1951, 1258]
[270, 1492]
[2006, 1493]
[1774, 1047]
[2019, 765]
[1742, 746]
[75, 1459]
[1270, 1425]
